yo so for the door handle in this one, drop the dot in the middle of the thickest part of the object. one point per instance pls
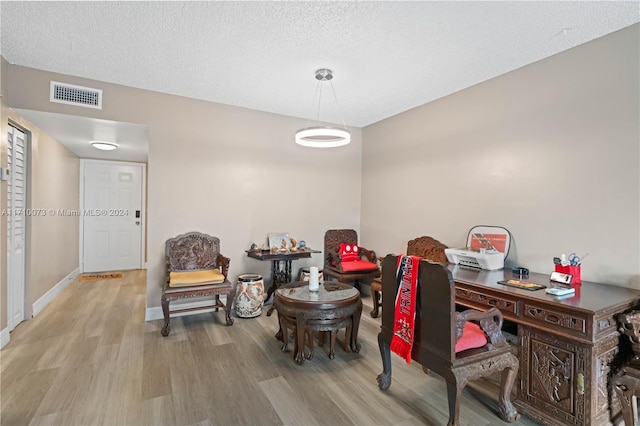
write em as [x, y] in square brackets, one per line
[137, 222]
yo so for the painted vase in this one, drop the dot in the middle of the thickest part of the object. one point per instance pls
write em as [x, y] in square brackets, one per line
[249, 296]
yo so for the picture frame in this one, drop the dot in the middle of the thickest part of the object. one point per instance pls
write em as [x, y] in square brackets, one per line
[275, 239]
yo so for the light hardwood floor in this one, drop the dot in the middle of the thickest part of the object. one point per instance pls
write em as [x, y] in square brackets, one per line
[89, 358]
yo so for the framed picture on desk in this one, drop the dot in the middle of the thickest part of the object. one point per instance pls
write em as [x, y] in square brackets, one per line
[275, 240]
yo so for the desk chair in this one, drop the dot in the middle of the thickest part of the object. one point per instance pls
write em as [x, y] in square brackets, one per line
[425, 247]
[445, 342]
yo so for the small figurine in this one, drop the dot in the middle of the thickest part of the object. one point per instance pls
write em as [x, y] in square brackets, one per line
[294, 243]
[284, 245]
[254, 247]
[302, 244]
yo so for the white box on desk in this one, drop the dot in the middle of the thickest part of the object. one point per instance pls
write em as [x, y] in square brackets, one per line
[489, 260]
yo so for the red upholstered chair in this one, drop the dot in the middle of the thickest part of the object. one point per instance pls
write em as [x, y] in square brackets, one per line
[345, 260]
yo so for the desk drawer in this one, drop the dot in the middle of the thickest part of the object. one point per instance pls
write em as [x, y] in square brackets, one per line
[507, 306]
[572, 322]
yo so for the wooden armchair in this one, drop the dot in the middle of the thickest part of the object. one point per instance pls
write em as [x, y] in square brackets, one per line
[336, 264]
[626, 381]
[439, 328]
[195, 268]
[425, 247]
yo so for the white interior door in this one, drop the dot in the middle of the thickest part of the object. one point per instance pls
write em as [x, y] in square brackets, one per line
[16, 225]
[111, 215]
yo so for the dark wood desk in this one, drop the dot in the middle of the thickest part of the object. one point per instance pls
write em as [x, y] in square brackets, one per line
[565, 344]
[280, 266]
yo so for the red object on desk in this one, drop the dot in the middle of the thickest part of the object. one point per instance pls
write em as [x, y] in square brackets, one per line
[572, 270]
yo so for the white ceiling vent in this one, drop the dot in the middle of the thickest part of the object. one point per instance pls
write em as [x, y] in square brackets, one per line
[76, 95]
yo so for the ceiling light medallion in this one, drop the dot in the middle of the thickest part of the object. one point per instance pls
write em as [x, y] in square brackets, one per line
[323, 136]
[104, 146]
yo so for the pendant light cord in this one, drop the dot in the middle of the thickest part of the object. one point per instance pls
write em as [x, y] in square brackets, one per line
[318, 95]
[315, 96]
[337, 105]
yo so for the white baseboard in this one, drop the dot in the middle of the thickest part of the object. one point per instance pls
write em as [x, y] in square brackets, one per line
[4, 337]
[155, 312]
[48, 297]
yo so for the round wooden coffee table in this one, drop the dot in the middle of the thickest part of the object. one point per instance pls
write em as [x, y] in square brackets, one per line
[334, 306]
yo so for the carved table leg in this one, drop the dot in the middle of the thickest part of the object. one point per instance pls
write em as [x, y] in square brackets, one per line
[321, 337]
[355, 321]
[384, 378]
[287, 271]
[166, 328]
[375, 295]
[301, 330]
[280, 332]
[272, 288]
[283, 334]
[278, 277]
[227, 309]
[309, 335]
[507, 410]
[347, 337]
[332, 344]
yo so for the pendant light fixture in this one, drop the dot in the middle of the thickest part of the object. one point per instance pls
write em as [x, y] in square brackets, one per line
[104, 146]
[322, 136]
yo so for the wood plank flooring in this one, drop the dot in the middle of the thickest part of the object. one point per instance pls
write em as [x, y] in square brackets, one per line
[89, 358]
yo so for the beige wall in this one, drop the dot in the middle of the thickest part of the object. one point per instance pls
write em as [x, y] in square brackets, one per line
[52, 242]
[549, 151]
[230, 172]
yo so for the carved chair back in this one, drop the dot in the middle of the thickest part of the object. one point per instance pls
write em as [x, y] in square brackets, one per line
[334, 237]
[427, 248]
[424, 247]
[192, 251]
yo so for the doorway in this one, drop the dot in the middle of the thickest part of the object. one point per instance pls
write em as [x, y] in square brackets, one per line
[16, 213]
[112, 205]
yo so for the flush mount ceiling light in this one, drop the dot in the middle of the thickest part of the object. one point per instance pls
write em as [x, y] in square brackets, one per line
[322, 136]
[104, 146]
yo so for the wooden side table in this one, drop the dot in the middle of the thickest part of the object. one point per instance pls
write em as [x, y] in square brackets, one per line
[334, 306]
[280, 266]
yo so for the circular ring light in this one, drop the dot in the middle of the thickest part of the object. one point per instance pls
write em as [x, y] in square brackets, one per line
[104, 146]
[322, 137]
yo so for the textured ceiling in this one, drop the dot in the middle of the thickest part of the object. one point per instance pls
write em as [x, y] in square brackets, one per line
[387, 57]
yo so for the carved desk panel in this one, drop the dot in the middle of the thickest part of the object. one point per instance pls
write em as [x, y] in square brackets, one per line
[566, 344]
